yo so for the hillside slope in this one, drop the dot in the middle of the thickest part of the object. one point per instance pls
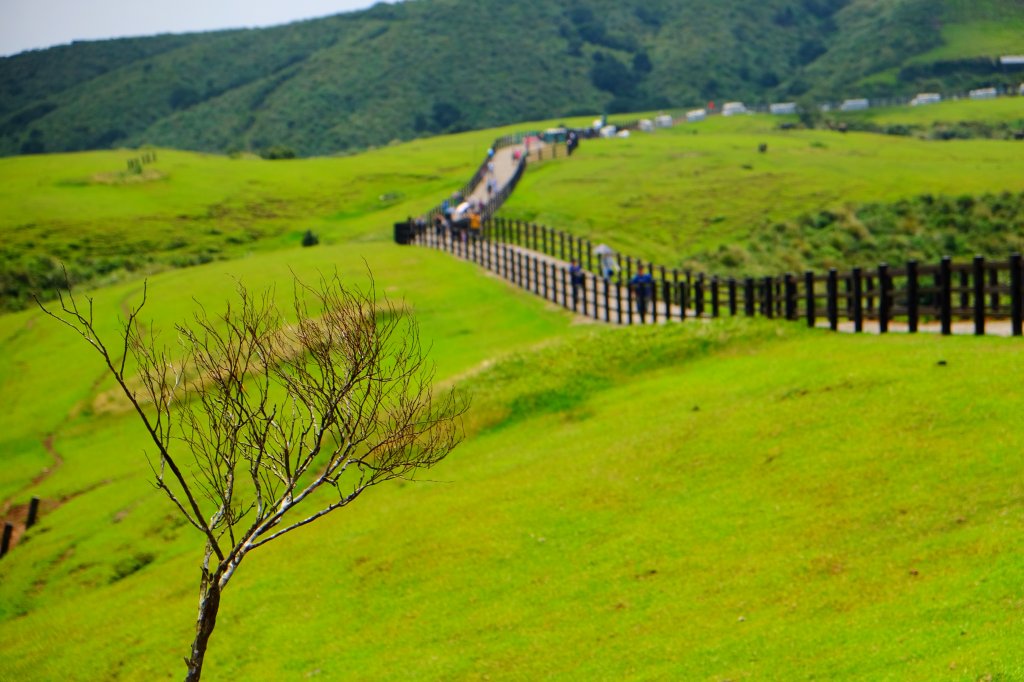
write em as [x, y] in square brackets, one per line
[416, 68]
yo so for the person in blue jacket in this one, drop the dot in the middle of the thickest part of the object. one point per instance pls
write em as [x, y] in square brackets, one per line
[577, 279]
[642, 285]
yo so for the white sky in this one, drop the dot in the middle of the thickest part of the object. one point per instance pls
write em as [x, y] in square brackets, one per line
[32, 24]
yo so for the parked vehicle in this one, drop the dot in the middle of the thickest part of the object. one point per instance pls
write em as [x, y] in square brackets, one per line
[926, 98]
[854, 105]
[733, 109]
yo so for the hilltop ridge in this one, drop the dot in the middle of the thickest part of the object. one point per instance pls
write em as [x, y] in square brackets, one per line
[414, 69]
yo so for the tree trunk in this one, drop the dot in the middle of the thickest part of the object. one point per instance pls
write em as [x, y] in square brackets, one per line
[209, 604]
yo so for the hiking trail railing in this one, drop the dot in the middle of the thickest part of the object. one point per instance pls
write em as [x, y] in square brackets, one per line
[913, 296]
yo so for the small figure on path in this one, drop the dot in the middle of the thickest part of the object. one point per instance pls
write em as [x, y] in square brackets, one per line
[609, 265]
[642, 285]
[572, 141]
[475, 223]
[576, 278]
[440, 225]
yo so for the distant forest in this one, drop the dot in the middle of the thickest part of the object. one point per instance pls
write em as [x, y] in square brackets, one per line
[424, 67]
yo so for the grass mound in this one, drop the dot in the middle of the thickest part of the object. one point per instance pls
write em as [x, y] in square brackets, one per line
[678, 503]
[680, 197]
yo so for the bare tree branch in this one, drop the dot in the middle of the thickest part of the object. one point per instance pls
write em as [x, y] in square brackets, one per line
[283, 423]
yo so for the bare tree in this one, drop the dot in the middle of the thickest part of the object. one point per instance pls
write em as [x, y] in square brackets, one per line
[277, 424]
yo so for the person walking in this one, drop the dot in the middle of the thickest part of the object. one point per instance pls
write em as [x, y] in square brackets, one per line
[576, 278]
[642, 286]
[608, 263]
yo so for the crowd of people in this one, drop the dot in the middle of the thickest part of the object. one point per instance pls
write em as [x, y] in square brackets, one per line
[462, 219]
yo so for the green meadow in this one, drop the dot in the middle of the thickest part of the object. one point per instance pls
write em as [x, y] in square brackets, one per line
[718, 500]
[680, 197]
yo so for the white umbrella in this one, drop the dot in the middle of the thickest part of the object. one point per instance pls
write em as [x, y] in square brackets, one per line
[603, 249]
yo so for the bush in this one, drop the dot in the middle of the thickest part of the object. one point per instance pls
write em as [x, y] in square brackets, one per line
[278, 152]
[310, 239]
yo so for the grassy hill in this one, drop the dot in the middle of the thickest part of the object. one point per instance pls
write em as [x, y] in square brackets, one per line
[419, 68]
[695, 196]
[105, 223]
[702, 196]
[712, 500]
[683, 502]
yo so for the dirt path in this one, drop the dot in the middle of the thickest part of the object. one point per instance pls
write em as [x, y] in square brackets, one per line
[17, 514]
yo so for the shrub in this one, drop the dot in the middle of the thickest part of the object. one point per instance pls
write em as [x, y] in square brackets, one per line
[278, 152]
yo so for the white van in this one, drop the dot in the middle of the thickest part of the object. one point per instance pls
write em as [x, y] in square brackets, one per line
[733, 109]
[854, 105]
[926, 98]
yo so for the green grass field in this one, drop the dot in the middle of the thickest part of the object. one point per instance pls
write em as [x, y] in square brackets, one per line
[716, 500]
[674, 195]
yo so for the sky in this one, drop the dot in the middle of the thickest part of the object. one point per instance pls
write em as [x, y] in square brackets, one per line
[33, 24]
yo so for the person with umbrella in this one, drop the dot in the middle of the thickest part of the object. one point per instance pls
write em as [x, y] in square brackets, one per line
[609, 264]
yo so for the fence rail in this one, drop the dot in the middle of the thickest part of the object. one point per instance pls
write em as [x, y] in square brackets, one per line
[910, 297]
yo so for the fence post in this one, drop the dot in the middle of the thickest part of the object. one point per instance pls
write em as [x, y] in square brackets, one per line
[1017, 294]
[979, 296]
[858, 303]
[714, 296]
[583, 287]
[809, 301]
[698, 296]
[575, 295]
[732, 297]
[665, 296]
[748, 296]
[33, 513]
[607, 300]
[561, 245]
[913, 297]
[618, 303]
[884, 307]
[789, 291]
[768, 303]
[946, 295]
[565, 287]
[629, 304]
[590, 257]
[833, 299]
[5, 543]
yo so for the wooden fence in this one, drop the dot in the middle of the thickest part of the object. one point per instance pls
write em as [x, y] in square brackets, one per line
[910, 297]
